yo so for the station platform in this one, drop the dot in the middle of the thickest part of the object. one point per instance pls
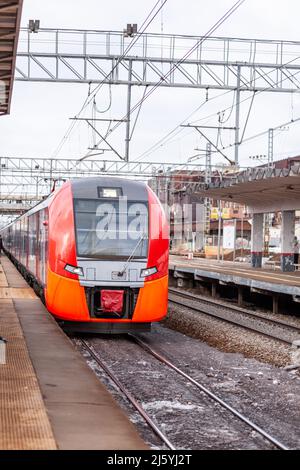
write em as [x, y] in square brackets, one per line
[49, 398]
[239, 274]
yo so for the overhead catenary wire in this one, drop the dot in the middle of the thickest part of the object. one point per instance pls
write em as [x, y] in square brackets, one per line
[188, 53]
[268, 88]
[261, 134]
[147, 22]
[137, 116]
[170, 135]
[178, 128]
[103, 111]
[224, 18]
[165, 140]
[96, 110]
[224, 121]
[247, 118]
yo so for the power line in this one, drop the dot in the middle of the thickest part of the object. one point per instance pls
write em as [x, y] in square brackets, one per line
[256, 136]
[141, 31]
[224, 18]
[255, 93]
[210, 142]
[137, 116]
[100, 111]
[91, 95]
[248, 116]
[223, 121]
[265, 132]
[180, 129]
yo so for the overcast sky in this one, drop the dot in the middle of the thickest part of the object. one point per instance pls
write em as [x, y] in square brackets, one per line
[40, 112]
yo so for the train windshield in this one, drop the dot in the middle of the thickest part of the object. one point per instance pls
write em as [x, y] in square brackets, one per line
[111, 228]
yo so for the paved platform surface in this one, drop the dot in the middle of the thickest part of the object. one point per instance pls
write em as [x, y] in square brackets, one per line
[24, 423]
[240, 274]
[49, 397]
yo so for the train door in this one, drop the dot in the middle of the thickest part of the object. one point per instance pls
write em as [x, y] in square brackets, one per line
[23, 255]
[32, 244]
[37, 246]
[43, 245]
[27, 243]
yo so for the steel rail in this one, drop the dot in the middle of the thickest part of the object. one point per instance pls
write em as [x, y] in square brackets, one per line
[214, 397]
[128, 395]
[232, 322]
[235, 308]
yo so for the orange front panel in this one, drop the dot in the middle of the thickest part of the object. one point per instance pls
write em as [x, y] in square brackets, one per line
[152, 304]
[65, 298]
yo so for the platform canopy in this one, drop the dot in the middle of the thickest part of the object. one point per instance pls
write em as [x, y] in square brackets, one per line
[262, 189]
[10, 18]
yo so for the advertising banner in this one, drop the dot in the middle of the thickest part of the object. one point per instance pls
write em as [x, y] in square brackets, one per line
[229, 234]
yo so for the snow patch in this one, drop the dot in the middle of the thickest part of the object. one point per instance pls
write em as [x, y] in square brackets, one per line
[170, 405]
[142, 363]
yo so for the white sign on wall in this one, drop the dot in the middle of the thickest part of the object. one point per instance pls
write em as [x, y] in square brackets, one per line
[229, 234]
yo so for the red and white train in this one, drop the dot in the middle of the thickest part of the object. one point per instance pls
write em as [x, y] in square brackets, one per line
[96, 250]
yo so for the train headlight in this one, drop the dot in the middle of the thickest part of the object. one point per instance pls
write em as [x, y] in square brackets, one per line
[148, 272]
[74, 269]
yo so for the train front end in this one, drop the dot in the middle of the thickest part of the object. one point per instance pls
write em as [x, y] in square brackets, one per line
[108, 256]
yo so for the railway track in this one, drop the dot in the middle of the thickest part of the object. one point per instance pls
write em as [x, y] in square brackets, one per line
[252, 321]
[158, 356]
[128, 395]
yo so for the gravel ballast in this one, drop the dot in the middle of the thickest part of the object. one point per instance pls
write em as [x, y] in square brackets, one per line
[227, 337]
[266, 394]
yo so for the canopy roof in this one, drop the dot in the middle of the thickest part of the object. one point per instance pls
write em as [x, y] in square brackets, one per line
[10, 18]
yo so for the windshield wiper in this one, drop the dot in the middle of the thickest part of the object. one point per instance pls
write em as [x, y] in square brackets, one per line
[121, 273]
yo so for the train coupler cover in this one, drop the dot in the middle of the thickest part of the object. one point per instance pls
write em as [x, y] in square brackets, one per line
[112, 301]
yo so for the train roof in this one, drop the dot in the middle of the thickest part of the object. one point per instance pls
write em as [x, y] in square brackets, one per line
[92, 188]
